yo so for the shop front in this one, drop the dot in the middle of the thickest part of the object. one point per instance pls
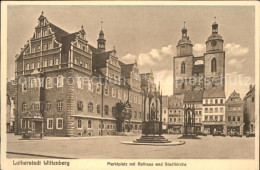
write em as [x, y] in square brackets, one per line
[175, 129]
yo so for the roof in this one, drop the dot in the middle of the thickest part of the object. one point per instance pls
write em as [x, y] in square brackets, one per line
[66, 41]
[165, 101]
[214, 93]
[184, 40]
[99, 59]
[214, 37]
[198, 68]
[193, 96]
[58, 32]
[126, 69]
[235, 96]
[93, 49]
[250, 92]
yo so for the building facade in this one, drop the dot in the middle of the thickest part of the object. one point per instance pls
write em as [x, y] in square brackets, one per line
[176, 111]
[202, 76]
[73, 85]
[234, 114]
[249, 110]
[165, 113]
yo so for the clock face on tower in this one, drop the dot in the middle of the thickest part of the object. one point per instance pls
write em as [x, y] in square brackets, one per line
[213, 43]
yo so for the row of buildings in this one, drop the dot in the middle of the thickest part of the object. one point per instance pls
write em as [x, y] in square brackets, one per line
[67, 87]
[239, 116]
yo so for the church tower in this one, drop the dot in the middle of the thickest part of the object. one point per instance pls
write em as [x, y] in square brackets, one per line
[182, 63]
[101, 42]
[214, 60]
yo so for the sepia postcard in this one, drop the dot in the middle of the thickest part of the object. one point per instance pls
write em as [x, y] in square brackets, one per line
[120, 85]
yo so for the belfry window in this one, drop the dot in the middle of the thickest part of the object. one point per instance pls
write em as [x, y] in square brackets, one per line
[213, 65]
[182, 67]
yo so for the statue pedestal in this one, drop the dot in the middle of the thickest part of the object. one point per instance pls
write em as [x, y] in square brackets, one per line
[151, 133]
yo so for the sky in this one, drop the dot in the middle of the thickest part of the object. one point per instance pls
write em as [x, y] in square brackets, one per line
[149, 35]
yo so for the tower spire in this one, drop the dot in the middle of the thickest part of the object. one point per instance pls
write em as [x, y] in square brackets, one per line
[101, 24]
[101, 42]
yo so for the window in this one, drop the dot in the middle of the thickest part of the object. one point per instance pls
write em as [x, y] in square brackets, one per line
[27, 66]
[33, 106]
[48, 84]
[51, 62]
[44, 32]
[49, 123]
[45, 63]
[89, 124]
[99, 126]
[221, 110]
[211, 110]
[49, 46]
[38, 64]
[38, 48]
[206, 101]
[76, 61]
[106, 90]
[206, 110]
[38, 34]
[59, 123]
[24, 86]
[140, 99]
[211, 118]
[80, 124]
[125, 96]
[216, 101]
[216, 118]
[90, 107]
[135, 99]
[119, 94]
[216, 109]
[60, 81]
[114, 111]
[29, 124]
[211, 101]
[206, 118]
[164, 111]
[44, 47]
[80, 105]
[86, 65]
[182, 67]
[32, 66]
[200, 113]
[164, 119]
[170, 119]
[234, 118]
[229, 118]
[213, 65]
[98, 109]
[48, 105]
[221, 101]
[238, 119]
[106, 109]
[33, 83]
[59, 105]
[56, 61]
[174, 119]
[24, 106]
[90, 86]
[135, 114]
[37, 106]
[98, 88]
[113, 92]
[108, 127]
[80, 84]
[33, 49]
[221, 118]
